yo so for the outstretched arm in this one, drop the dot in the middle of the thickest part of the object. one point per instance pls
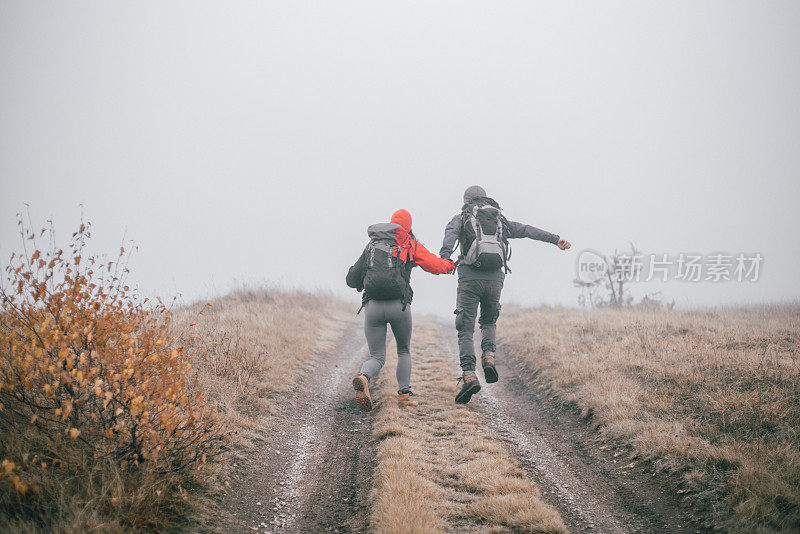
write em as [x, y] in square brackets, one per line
[450, 237]
[429, 262]
[519, 230]
[355, 276]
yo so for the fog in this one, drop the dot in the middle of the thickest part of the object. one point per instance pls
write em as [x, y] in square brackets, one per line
[254, 142]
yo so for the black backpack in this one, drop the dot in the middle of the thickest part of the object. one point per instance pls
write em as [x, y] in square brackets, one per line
[484, 235]
[387, 277]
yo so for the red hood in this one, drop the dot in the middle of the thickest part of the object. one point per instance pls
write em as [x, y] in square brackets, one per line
[403, 218]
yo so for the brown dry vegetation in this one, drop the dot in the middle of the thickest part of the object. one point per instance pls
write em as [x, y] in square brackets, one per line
[438, 469]
[711, 396]
[101, 424]
[252, 346]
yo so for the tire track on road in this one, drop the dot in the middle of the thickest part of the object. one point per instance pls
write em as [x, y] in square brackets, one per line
[314, 490]
[310, 474]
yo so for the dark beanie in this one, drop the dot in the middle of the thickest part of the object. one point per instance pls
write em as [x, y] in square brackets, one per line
[473, 191]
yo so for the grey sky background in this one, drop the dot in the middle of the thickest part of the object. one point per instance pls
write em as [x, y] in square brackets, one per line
[255, 141]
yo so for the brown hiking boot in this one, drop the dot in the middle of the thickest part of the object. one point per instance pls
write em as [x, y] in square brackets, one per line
[469, 387]
[489, 371]
[361, 387]
[406, 399]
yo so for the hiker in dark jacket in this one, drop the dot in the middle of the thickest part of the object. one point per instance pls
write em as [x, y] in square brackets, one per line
[481, 272]
[383, 273]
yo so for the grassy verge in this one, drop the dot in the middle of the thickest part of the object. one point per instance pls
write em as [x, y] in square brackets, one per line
[253, 346]
[711, 396]
[437, 468]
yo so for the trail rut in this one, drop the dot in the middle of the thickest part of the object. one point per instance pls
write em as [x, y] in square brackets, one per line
[313, 469]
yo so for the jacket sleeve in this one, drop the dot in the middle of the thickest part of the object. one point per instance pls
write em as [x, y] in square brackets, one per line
[355, 276]
[451, 232]
[429, 262]
[519, 230]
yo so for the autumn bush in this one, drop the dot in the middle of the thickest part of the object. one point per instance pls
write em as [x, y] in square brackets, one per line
[101, 423]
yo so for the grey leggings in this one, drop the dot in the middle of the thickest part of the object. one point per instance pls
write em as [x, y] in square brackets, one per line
[377, 314]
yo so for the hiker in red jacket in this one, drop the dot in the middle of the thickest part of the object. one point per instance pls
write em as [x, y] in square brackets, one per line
[383, 273]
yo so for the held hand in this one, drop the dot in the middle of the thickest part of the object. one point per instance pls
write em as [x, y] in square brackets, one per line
[563, 244]
[452, 267]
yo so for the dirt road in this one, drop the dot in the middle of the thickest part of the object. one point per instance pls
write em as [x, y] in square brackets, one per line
[314, 469]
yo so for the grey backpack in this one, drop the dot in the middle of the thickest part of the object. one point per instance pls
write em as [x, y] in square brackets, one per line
[484, 243]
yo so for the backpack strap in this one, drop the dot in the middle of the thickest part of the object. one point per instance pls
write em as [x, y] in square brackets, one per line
[371, 255]
[501, 222]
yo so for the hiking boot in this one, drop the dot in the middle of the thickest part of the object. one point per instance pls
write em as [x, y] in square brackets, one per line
[489, 371]
[361, 387]
[406, 399]
[469, 387]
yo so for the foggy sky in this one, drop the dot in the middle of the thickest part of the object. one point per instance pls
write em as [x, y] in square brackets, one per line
[254, 142]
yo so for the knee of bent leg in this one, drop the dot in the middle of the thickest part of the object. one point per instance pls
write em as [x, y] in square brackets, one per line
[490, 315]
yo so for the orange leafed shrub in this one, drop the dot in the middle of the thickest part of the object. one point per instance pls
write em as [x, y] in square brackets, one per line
[89, 374]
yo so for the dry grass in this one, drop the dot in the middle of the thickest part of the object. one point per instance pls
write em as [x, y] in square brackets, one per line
[438, 468]
[254, 346]
[712, 396]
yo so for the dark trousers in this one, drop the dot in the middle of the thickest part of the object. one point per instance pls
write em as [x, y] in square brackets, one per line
[472, 293]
